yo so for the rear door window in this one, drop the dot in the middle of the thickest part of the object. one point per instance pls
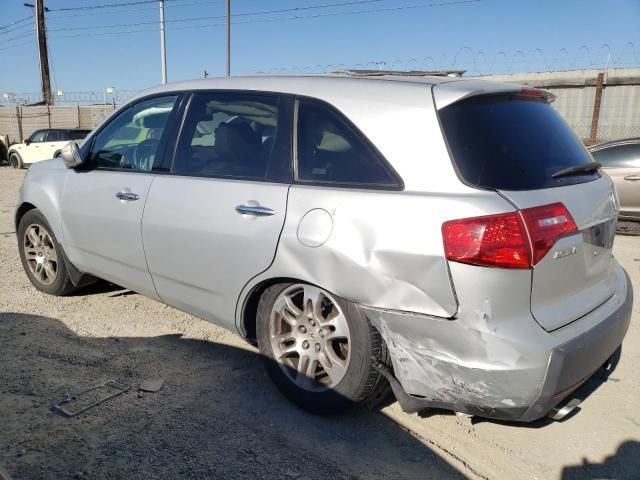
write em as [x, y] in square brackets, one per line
[54, 136]
[331, 151]
[507, 142]
[619, 156]
[236, 135]
[77, 134]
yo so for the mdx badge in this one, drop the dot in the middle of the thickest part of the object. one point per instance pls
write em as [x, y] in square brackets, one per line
[564, 253]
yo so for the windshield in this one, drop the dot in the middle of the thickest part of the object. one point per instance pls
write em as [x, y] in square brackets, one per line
[508, 142]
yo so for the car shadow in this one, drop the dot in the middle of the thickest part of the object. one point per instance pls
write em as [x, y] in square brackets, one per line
[216, 416]
[624, 464]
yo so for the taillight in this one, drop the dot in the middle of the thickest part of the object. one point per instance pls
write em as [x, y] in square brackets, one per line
[509, 240]
[492, 240]
[546, 224]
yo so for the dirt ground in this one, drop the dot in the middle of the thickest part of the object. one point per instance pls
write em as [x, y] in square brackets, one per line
[219, 416]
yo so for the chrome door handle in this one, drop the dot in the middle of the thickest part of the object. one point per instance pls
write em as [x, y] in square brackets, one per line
[254, 210]
[632, 178]
[128, 196]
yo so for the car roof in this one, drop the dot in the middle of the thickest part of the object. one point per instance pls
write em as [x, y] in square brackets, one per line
[328, 86]
[615, 143]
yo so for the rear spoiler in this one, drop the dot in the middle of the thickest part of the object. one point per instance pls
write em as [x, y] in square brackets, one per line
[444, 94]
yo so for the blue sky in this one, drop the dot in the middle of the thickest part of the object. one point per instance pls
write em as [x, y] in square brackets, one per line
[482, 36]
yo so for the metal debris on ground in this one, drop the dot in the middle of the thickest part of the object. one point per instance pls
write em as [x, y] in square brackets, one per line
[90, 397]
[151, 385]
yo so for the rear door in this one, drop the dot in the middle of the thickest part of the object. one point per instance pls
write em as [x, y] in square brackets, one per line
[516, 144]
[212, 222]
[622, 164]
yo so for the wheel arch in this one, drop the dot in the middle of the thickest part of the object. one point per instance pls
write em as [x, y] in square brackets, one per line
[23, 208]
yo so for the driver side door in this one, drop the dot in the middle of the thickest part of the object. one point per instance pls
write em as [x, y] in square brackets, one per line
[103, 202]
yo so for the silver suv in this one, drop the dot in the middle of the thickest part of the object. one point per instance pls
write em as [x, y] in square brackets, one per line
[448, 238]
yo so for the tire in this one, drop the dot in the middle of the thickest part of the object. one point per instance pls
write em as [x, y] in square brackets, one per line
[41, 255]
[281, 337]
[15, 160]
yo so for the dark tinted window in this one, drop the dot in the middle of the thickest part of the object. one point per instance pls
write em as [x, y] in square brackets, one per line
[619, 156]
[509, 143]
[76, 134]
[131, 140]
[331, 151]
[54, 136]
[235, 135]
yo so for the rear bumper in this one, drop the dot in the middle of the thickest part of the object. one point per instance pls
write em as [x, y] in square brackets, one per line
[518, 373]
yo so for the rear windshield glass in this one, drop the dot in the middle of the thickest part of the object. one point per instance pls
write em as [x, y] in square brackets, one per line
[508, 142]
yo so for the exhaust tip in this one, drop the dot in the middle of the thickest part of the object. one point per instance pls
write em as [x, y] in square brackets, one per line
[560, 412]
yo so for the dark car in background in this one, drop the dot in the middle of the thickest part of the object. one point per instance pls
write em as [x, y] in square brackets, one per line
[621, 160]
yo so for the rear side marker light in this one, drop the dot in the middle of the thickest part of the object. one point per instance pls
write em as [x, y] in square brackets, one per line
[538, 93]
[517, 239]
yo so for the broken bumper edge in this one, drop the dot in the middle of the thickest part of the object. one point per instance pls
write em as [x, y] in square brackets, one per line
[526, 392]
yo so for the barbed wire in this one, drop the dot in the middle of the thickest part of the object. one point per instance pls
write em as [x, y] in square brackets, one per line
[477, 62]
[92, 97]
[474, 62]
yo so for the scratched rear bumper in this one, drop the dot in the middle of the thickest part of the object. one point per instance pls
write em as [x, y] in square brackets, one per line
[516, 373]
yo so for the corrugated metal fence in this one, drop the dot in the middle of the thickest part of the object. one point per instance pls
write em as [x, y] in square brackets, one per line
[20, 122]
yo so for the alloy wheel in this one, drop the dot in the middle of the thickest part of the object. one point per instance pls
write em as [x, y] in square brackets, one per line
[310, 337]
[40, 253]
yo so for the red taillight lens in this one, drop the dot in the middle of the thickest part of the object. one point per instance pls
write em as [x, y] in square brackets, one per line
[546, 224]
[492, 240]
[509, 240]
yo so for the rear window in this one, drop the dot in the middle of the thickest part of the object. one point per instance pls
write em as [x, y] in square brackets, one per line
[508, 142]
[77, 134]
[620, 156]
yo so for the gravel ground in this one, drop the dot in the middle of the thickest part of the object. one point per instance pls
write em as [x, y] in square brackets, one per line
[218, 415]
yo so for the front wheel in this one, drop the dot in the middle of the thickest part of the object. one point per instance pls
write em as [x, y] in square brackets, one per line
[319, 349]
[41, 255]
[15, 160]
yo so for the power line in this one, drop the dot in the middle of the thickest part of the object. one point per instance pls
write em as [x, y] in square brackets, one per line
[218, 17]
[106, 5]
[16, 22]
[151, 8]
[267, 20]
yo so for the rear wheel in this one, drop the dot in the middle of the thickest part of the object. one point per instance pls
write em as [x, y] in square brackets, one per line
[319, 349]
[41, 255]
[15, 160]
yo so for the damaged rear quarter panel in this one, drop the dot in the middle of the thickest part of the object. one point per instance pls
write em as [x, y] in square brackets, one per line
[492, 355]
[384, 248]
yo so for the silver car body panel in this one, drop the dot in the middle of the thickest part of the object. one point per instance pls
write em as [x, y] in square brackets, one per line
[577, 274]
[200, 250]
[101, 233]
[370, 254]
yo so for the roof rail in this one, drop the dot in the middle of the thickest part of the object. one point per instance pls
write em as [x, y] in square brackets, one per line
[401, 73]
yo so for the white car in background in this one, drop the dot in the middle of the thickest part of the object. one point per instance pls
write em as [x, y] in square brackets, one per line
[42, 145]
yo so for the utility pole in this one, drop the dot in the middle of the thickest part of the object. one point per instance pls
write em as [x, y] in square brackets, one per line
[163, 51]
[41, 36]
[228, 38]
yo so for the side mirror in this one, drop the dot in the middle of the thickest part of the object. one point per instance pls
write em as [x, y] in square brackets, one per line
[71, 155]
[27, 141]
